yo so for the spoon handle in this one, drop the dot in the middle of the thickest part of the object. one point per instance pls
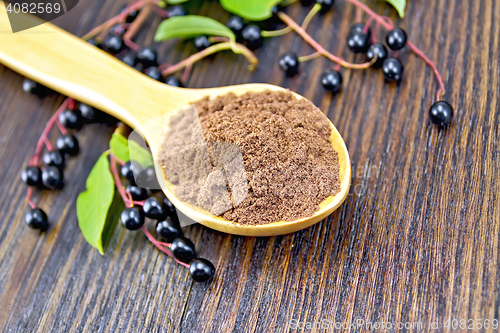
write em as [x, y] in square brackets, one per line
[72, 67]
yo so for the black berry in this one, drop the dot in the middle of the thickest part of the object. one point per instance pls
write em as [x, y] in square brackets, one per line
[131, 16]
[441, 113]
[128, 58]
[201, 270]
[155, 208]
[89, 114]
[251, 36]
[147, 57]
[378, 50]
[168, 229]
[52, 177]
[235, 23]
[37, 219]
[113, 44]
[396, 39]
[35, 88]
[137, 193]
[360, 27]
[173, 81]
[132, 218]
[306, 3]
[332, 81]
[54, 158]
[358, 41]
[131, 170]
[201, 43]
[32, 176]
[117, 30]
[176, 10]
[183, 249]
[170, 206]
[289, 63]
[68, 144]
[392, 69]
[326, 5]
[71, 119]
[147, 179]
[154, 73]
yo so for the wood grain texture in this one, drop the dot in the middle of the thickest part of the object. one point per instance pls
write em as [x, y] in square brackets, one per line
[417, 240]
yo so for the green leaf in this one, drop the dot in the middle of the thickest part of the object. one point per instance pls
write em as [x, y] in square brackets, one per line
[190, 26]
[175, 2]
[127, 150]
[254, 10]
[92, 206]
[399, 5]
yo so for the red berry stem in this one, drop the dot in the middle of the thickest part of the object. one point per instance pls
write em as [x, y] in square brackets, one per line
[135, 26]
[35, 159]
[298, 29]
[226, 45]
[44, 141]
[367, 24]
[387, 23]
[161, 12]
[164, 247]
[127, 198]
[120, 18]
[314, 10]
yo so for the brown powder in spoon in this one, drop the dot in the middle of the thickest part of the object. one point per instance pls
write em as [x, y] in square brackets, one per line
[252, 159]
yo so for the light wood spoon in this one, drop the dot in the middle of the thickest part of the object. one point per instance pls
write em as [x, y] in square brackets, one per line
[74, 68]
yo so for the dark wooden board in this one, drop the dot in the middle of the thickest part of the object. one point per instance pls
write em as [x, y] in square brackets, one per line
[417, 240]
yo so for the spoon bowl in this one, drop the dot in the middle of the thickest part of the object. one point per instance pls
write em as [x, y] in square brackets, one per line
[72, 67]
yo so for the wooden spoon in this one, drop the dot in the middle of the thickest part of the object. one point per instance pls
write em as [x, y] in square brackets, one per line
[74, 68]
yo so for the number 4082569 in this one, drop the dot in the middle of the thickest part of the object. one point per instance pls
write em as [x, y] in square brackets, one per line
[471, 324]
[33, 8]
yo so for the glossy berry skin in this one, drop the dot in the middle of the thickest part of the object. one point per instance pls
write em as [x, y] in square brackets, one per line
[201, 43]
[147, 57]
[131, 16]
[32, 176]
[392, 69]
[251, 36]
[68, 144]
[183, 249]
[396, 39]
[89, 114]
[128, 58]
[332, 81]
[132, 218]
[155, 208]
[358, 41]
[168, 229]
[137, 193]
[360, 27]
[201, 270]
[170, 206]
[37, 219]
[326, 5]
[380, 51]
[441, 113]
[235, 23]
[52, 177]
[113, 44]
[289, 63]
[71, 119]
[147, 179]
[35, 88]
[173, 81]
[176, 10]
[130, 170]
[54, 158]
[154, 73]
[117, 30]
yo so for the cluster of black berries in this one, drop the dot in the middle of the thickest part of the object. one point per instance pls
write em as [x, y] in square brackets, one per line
[142, 184]
[145, 60]
[50, 175]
